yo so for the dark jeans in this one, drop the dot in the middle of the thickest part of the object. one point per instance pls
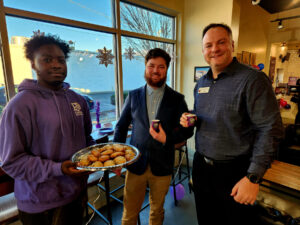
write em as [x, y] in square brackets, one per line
[70, 214]
[212, 186]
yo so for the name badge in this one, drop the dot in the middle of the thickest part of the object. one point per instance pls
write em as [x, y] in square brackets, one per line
[203, 90]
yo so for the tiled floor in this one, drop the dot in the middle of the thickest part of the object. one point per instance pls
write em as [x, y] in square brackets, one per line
[182, 214]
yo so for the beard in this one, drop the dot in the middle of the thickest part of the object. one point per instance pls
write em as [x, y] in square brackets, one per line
[153, 83]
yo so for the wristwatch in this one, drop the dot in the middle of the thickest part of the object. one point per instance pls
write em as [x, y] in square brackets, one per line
[254, 178]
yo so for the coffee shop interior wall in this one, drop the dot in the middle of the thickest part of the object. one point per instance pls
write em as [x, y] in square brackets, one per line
[288, 68]
[286, 40]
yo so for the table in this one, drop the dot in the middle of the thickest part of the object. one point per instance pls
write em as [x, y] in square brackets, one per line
[108, 195]
[283, 177]
[97, 135]
[104, 138]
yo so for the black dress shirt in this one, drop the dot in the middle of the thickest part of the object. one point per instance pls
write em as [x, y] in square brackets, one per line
[238, 115]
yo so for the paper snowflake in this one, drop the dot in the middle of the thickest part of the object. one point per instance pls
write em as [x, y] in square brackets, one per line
[129, 53]
[38, 33]
[105, 56]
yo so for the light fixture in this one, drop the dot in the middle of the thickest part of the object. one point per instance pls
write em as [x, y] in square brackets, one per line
[283, 44]
[280, 26]
[255, 2]
[279, 20]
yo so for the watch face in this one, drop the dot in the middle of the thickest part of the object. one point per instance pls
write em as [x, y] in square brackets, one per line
[254, 178]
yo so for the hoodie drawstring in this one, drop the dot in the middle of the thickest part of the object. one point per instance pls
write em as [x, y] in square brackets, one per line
[72, 114]
[59, 113]
[33, 85]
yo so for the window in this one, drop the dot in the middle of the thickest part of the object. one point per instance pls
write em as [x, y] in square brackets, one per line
[94, 70]
[2, 87]
[134, 51]
[91, 11]
[143, 21]
[88, 74]
[140, 20]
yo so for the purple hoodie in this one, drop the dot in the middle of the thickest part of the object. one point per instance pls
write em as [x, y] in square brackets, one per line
[39, 129]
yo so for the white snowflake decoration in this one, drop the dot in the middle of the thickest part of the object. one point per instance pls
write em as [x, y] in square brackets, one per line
[129, 53]
[105, 57]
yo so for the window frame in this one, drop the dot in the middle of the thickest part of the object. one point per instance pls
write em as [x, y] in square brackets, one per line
[116, 31]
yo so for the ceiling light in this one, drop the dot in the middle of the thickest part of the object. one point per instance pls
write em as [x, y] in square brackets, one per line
[283, 44]
[255, 2]
[280, 26]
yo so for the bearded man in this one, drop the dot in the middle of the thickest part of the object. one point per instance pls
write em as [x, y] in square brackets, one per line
[154, 168]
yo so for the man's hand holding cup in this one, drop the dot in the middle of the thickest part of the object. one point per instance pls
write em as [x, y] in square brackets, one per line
[157, 132]
[188, 119]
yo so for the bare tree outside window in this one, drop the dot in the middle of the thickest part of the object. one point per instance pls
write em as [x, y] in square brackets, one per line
[143, 21]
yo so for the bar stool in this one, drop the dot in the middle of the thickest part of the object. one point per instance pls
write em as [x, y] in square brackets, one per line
[181, 148]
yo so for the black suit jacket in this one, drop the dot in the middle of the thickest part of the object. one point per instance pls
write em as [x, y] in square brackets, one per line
[160, 157]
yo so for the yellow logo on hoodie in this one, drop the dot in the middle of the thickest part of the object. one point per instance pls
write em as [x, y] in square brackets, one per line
[77, 109]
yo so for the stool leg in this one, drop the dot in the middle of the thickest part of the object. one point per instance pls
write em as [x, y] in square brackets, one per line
[139, 220]
[188, 166]
[180, 156]
[107, 192]
[174, 192]
[87, 207]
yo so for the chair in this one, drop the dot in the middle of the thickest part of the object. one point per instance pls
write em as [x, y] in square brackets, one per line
[181, 148]
[8, 203]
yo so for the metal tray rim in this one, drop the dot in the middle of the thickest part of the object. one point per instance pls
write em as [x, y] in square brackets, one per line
[90, 148]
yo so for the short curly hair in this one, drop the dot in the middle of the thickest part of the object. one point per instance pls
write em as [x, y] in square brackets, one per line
[38, 41]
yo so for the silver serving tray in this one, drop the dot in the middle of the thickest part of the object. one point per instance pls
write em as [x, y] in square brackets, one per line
[76, 157]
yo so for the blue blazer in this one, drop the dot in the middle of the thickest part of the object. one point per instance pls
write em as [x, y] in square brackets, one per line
[159, 156]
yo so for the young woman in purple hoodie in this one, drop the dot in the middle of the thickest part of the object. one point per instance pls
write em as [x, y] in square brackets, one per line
[40, 129]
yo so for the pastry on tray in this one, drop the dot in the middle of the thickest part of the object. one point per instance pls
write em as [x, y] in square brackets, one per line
[108, 155]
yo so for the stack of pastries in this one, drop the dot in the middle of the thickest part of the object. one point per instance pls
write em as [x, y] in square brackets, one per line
[107, 155]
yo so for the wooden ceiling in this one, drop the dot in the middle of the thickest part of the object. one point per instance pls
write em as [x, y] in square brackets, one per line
[276, 6]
